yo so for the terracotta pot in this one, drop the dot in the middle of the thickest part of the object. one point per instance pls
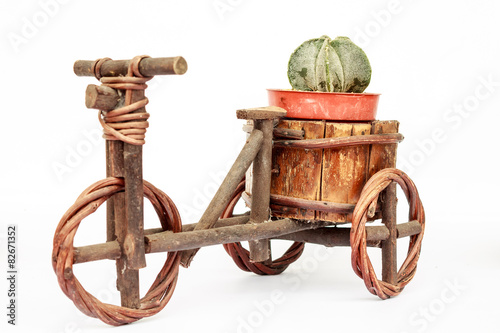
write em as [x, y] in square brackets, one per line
[325, 105]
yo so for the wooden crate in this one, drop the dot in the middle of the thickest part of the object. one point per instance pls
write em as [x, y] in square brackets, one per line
[332, 174]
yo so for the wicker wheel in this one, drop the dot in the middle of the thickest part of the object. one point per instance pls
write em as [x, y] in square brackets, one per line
[241, 256]
[360, 261]
[62, 256]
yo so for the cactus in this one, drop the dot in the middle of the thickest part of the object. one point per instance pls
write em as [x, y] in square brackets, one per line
[322, 64]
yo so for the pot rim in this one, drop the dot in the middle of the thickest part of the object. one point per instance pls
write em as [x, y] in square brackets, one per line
[324, 92]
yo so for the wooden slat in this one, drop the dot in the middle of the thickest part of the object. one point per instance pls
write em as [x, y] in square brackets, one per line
[344, 169]
[336, 169]
[299, 170]
[333, 175]
[383, 155]
[267, 112]
[360, 156]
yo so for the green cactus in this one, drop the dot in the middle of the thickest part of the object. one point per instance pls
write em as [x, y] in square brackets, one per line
[322, 64]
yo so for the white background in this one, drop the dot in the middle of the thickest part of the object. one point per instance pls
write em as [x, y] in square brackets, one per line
[435, 64]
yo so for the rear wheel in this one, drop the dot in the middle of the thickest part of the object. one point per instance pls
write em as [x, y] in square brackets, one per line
[361, 263]
[241, 256]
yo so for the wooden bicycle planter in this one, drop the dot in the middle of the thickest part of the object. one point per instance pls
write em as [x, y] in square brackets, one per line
[307, 177]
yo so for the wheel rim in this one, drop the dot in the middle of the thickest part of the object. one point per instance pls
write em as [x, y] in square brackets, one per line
[360, 261]
[162, 288]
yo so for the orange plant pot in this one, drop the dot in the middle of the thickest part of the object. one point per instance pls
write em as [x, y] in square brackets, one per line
[325, 105]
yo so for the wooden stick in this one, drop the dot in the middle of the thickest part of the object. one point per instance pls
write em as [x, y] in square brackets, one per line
[409, 229]
[285, 133]
[227, 222]
[125, 213]
[328, 236]
[147, 67]
[127, 279]
[227, 188]
[116, 204]
[288, 133]
[325, 206]
[341, 141]
[111, 249]
[198, 238]
[260, 250]
[134, 198]
[101, 97]
[331, 237]
[263, 119]
[389, 246]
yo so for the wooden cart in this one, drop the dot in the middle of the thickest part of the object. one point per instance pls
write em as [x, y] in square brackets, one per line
[303, 179]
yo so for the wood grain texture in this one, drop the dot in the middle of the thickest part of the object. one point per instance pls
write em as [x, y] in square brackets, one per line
[344, 169]
[336, 171]
[331, 174]
[127, 279]
[133, 244]
[178, 241]
[389, 246]
[298, 170]
[383, 155]
[267, 112]
[260, 250]
[101, 97]
[147, 67]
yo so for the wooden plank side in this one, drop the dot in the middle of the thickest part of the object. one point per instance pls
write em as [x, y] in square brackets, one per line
[337, 171]
[383, 155]
[360, 156]
[298, 171]
[249, 173]
[344, 169]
